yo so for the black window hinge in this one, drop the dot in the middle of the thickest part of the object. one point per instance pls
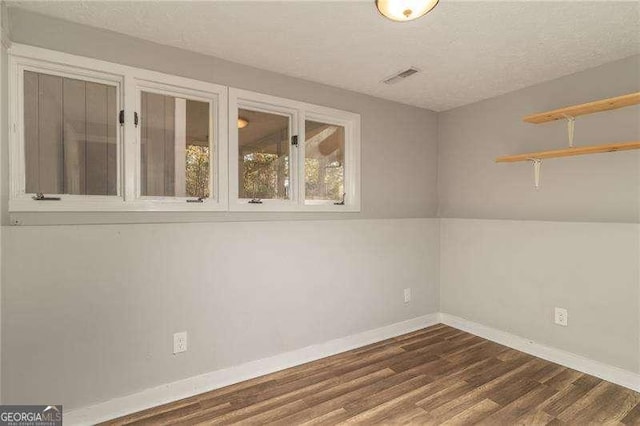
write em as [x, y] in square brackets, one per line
[121, 118]
[196, 200]
[255, 201]
[294, 140]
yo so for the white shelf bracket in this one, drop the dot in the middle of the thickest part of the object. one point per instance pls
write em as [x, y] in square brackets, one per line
[536, 171]
[571, 128]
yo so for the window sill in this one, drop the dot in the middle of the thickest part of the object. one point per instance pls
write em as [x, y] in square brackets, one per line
[266, 206]
[28, 205]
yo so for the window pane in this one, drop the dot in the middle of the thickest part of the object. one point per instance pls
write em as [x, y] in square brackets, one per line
[70, 136]
[175, 151]
[263, 142]
[324, 161]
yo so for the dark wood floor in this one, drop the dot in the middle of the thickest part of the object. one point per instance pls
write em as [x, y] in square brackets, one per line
[438, 375]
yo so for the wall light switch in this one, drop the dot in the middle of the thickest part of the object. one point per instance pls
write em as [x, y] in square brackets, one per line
[407, 295]
[180, 342]
[562, 317]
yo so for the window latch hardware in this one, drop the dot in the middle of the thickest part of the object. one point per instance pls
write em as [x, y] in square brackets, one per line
[121, 117]
[341, 203]
[196, 200]
[294, 140]
[135, 119]
[41, 197]
[255, 201]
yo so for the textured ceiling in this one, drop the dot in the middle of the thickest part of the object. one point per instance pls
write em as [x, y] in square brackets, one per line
[466, 50]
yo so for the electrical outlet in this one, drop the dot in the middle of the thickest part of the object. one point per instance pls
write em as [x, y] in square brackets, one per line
[407, 295]
[180, 342]
[562, 317]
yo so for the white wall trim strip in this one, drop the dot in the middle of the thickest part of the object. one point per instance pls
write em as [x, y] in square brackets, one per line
[604, 371]
[198, 384]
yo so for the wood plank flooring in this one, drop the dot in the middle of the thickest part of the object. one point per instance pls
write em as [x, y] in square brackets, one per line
[438, 375]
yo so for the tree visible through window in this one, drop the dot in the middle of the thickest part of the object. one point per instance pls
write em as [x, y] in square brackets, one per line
[325, 184]
[197, 172]
[175, 152]
[263, 169]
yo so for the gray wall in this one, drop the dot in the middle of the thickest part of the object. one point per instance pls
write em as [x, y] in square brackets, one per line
[399, 142]
[599, 188]
[3, 136]
[511, 274]
[88, 312]
[106, 298]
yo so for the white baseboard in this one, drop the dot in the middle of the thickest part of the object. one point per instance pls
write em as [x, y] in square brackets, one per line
[606, 372]
[194, 385]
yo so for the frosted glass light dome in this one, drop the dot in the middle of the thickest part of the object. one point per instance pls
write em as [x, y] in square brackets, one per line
[405, 10]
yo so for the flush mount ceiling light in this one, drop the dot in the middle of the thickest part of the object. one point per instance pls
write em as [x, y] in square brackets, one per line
[242, 123]
[405, 10]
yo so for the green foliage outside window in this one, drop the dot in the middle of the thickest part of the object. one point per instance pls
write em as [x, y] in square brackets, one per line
[264, 176]
[197, 171]
[323, 181]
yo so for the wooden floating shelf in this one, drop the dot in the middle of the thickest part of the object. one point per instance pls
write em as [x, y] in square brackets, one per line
[569, 152]
[583, 109]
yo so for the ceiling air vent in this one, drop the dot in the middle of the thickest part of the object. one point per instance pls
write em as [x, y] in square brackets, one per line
[396, 78]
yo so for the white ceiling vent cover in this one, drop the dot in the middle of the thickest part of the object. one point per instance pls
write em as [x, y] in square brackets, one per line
[398, 77]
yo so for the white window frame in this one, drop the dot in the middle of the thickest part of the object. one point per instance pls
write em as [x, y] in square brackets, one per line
[23, 57]
[351, 124]
[242, 99]
[224, 177]
[215, 96]
[301, 111]
[20, 60]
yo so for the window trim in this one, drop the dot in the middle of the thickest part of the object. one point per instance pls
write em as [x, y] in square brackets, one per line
[351, 124]
[20, 200]
[216, 96]
[224, 115]
[50, 61]
[271, 105]
[239, 98]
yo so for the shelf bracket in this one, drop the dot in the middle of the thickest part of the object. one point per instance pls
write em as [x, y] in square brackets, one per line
[536, 171]
[571, 128]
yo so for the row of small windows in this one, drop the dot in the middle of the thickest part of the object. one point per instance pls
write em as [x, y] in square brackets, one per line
[188, 143]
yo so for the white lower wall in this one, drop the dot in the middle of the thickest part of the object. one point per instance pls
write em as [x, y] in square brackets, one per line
[509, 275]
[88, 312]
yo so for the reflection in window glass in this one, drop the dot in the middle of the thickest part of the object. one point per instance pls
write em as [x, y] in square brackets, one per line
[263, 144]
[324, 161]
[175, 151]
[70, 136]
